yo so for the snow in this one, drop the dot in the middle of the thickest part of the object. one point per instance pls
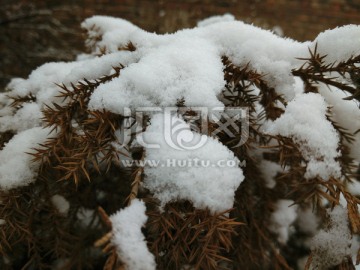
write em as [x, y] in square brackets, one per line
[339, 44]
[354, 188]
[216, 19]
[188, 62]
[265, 52]
[16, 166]
[270, 170]
[5, 102]
[211, 186]
[61, 204]
[330, 246]
[114, 32]
[128, 238]
[282, 218]
[305, 122]
[307, 221]
[189, 69]
[42, 81]
[165, 68]
[27, 117]
[344, 112]
[188, 65]
[194, 57]
[86, 216]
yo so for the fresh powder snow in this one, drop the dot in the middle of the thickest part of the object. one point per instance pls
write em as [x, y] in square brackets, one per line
[282, 218]
[332, 245]
[16, 166]
[209, 185]
[187, 65]
[128, 239]
[305, 121]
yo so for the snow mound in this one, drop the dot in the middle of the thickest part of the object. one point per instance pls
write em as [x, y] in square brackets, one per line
[305, 121]
[16, 166]
[331, 246]
[199, 175]
[128, 238]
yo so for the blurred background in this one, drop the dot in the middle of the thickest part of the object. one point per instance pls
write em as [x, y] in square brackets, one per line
[35, 32]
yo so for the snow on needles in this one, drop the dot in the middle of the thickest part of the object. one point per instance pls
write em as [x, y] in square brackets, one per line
[165, 68]
[345, 112]
[282, 218]
[330, 246]
[218, 36]
[305, 121]
[27, 117]
[128, 238]
[16, 165]
[188, 64]
[207, 185]
[339, 44]
[41, 83]
[189, 68]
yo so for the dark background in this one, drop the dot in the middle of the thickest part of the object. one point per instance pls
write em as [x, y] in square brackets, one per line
[35, 32]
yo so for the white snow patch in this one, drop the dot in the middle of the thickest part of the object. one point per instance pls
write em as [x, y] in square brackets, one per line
[61, 204]
[330, 246]
[85, 216]
[339, 44]
[345, 113]
[266, 52]
[114, 33]
[282, 218]
[269, 170]
[305, 122]
[41, 83]
[354, 188]
[211, 186]
[128, 238]
[307, 221]
[27, 117]
[189, 68]
[16, 166]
